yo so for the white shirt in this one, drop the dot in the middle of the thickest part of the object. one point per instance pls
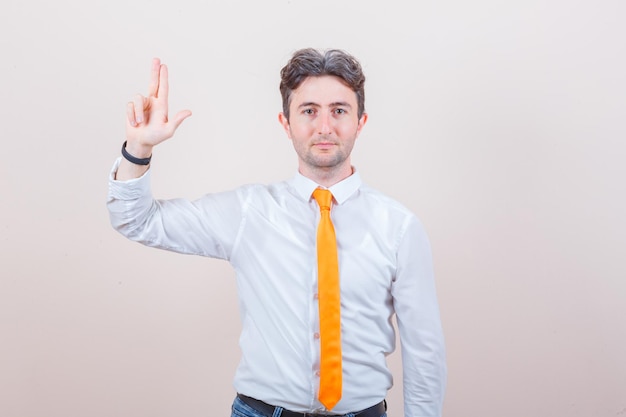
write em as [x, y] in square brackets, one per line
[267, 233]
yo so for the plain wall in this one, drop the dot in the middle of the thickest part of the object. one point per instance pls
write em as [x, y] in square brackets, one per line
[500, 123]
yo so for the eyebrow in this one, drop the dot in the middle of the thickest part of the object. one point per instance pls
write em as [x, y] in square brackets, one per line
[335, 104]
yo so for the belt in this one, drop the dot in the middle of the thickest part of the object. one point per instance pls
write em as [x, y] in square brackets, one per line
[374, 411]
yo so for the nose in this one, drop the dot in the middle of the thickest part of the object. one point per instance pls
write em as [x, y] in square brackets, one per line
[324, 123]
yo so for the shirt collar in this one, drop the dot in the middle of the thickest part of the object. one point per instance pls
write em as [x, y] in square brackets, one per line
[341, 191]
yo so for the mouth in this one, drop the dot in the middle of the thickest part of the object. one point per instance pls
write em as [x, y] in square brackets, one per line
[324, 145]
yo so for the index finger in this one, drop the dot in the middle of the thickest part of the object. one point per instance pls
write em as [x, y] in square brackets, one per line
[153, 87]
[164, 85]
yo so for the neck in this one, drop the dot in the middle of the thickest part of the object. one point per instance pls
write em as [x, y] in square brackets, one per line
[327, 176]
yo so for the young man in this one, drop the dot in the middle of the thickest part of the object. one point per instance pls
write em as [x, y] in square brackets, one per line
[320, 275]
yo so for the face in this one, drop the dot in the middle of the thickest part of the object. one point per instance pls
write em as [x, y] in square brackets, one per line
[323, 124]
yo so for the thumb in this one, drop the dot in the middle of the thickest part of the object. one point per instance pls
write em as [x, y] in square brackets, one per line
[180, 117]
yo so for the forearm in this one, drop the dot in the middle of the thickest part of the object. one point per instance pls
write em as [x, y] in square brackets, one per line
[424, 372]
[423, 355]
[129, 200]
[128, 170]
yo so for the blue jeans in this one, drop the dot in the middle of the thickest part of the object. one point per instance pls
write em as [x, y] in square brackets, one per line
[241, 409]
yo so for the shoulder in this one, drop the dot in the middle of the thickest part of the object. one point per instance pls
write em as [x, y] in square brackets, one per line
[383, 206]
[266, 195]
[382, 200]
[271, 190]
[257, 189]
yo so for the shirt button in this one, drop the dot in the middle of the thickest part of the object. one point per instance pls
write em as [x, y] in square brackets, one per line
[316, 296]
[316, 335]
[317, 373]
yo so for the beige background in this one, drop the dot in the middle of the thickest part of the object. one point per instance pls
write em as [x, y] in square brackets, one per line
[500, 123]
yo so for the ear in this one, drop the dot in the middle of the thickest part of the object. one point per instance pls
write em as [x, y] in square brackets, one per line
[282, 119]
[362, 122]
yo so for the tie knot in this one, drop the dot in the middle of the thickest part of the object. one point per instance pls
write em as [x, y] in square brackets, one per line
[323, 198]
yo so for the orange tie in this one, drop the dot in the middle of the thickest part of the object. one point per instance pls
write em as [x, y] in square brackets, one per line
[329, 304]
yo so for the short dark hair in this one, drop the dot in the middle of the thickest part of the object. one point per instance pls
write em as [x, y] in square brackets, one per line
[310, 62]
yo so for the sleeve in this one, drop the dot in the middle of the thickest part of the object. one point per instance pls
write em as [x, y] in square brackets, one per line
[207, 226]
[419, 324]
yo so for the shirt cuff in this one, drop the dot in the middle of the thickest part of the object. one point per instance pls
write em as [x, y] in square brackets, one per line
[128, 189]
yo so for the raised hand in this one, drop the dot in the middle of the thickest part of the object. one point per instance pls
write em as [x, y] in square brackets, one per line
[148, 123]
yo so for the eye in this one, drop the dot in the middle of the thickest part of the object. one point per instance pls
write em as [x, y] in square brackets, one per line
[308, 111]
[340, 111]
